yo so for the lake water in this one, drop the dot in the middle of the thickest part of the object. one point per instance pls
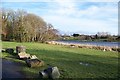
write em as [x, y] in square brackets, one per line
[110, 44]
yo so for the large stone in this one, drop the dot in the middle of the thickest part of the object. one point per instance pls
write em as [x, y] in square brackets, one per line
[51, 73]
[23, 55]
[20, 49]
[33, 57]
[9, 50]
[55, 73]
[118, 49]
[34, 63]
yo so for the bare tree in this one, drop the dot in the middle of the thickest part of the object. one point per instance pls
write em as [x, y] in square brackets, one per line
[22, 26]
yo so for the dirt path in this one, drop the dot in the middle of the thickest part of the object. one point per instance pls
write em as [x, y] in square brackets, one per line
[11, 69]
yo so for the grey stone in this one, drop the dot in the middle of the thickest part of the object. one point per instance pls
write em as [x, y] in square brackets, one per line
[9, 50]
[23, 55]
[20, 49]
[55, 73]
[51, 73]
[34, 62]
[33, 57]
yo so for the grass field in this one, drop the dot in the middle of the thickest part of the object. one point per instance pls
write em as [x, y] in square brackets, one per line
[70, 61]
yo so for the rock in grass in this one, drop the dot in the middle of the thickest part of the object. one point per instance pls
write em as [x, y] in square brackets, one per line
[34, 62]
[33, 57]
[20, 49]
[51, 73]
[114, 49]
[118, 49]
[55, 73]
[9, 50]
[23, 55]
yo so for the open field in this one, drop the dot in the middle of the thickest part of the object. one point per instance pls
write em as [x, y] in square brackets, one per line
[72, 62]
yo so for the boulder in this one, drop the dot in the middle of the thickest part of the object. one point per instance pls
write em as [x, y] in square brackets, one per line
[33, 57]
[114, 49]
[51, 73]
[55, 73]
[107, 49]
[48, 42]
[104, 49]
[20, 49]
[72, 45]
[118, 49]
[9, 50]
[23, 55]
[80, 46]
[101, 47]
[34, 63]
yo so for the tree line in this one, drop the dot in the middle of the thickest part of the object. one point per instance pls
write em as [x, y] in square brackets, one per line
[22, 26]
[100, 36]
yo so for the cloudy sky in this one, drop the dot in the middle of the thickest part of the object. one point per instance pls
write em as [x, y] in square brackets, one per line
[83, 16]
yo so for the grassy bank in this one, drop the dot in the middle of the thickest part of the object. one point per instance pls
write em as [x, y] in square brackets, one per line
[70, 61]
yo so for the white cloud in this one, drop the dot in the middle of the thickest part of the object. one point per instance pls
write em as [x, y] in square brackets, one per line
[65, 7]
[70, 16]
[92, 19]
[85, 25]
[105, 11]
[108, 10]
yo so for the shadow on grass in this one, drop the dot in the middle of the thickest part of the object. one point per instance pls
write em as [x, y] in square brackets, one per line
[69, 63]
[54, 54]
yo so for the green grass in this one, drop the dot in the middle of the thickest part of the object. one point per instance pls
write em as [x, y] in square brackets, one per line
[102, 64]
